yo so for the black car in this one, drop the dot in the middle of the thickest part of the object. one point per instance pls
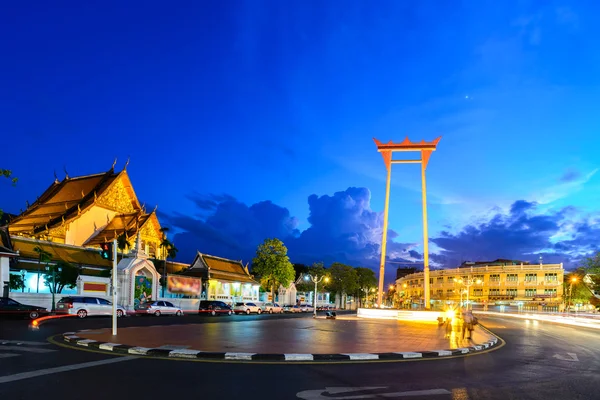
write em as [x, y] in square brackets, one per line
[11, 308]
[214, 307]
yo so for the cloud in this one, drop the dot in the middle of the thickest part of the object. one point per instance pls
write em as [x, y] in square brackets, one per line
[569, 183]
[521, 234]
[570, 175]
[343, 228]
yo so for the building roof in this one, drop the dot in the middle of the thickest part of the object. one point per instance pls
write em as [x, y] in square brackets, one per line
[59, 252]
[129, 224]
[213, 267]
[6, 248]
[499, 261]
[65, 200]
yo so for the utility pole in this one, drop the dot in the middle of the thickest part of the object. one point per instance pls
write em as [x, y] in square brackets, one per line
[114, 288]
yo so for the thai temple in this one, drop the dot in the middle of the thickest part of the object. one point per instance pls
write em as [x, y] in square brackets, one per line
[73, 217]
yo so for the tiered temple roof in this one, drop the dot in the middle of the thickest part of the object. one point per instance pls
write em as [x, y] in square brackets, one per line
[211, 267]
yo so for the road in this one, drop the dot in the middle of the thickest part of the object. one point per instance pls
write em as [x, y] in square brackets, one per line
[539, 361]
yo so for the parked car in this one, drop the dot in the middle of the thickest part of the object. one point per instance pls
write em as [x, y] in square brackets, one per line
[214, 307]
[87, 306]
[12, 308]
[292, 309]
[271, 308]
[306, 308]
[246, 308]
[158, 308]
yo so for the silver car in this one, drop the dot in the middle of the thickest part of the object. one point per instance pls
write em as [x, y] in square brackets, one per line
[271, 308]
[158, 308]
[84, 306]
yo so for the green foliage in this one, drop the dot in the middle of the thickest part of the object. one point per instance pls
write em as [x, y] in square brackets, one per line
[576, 292]
[316, 270]
[7, 173]
[123, 243]
[168, 246]
[343, 279]
[366, 280]
[16, 282]
[60, 275]
[592, 264]
[273, 265]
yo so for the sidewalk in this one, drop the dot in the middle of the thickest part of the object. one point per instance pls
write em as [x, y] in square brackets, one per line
[281, 336]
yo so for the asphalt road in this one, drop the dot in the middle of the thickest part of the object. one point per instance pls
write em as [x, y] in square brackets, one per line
[539, 361]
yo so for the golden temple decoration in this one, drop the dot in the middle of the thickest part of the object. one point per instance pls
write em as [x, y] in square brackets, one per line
[117, 198]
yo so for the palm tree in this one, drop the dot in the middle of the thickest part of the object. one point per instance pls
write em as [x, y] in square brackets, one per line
[123, 243]
[43, 257]
[170, 251]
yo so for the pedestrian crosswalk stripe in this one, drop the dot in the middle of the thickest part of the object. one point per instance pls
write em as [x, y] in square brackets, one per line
[26, 349]
[21, 342]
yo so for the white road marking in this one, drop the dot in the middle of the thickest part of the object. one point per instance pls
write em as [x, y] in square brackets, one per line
[321, 394]
[411, 355]
[139, 350]
[27, 349]
[20, 342]
[299, 357]
[362, 356]
[570, 357]
[6, 355]
[239, 356]
[64, 368]
[108, 346]
[184, 353]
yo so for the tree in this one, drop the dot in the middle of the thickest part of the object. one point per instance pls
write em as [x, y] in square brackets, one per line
[7, 173]
[317, 270]
[169, 251]
[365, 281]
[60, 275]
[123, 243]
[16, 282]
[273, 265]
[343, 280]
[43, 257]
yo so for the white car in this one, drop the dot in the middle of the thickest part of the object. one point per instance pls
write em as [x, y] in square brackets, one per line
[306, 308]
[272, 308]
[246, 308]
[158, 308]
[87, 306]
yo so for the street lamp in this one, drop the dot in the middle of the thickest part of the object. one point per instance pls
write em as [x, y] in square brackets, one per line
[468, 283]
[316, 280]
[573, 280]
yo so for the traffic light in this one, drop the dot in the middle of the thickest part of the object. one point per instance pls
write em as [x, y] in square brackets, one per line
[106, 251]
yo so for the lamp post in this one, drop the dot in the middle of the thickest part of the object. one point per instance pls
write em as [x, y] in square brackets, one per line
[573, 280]
[468, 283]
[316, 280]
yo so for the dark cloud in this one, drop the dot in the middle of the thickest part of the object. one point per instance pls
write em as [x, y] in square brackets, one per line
[343, 229]
[570, 176]
[520, 234]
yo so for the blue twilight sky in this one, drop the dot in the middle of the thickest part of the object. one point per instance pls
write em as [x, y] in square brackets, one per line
[253, 119]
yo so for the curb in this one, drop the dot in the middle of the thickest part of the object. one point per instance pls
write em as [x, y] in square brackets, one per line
[71, 337]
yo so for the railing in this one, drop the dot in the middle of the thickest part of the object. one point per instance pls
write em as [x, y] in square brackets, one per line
[531, 283]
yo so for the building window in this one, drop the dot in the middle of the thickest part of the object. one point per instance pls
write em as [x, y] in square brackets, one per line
[431, 281]
[478, 292]
[511, 292]
[440, 292]
[530, 277]
[512, 278]
[440, 280]
[552, 277]
[478, 277]
[495, 278]
[449, 292]
[494, 292]
[530, 292]
[550, 292]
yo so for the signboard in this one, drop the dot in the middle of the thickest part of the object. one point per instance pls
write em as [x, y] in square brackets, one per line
[184, 285]
[94, 287]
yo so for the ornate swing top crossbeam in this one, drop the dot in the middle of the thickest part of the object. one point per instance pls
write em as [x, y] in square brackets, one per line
[386, 150]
